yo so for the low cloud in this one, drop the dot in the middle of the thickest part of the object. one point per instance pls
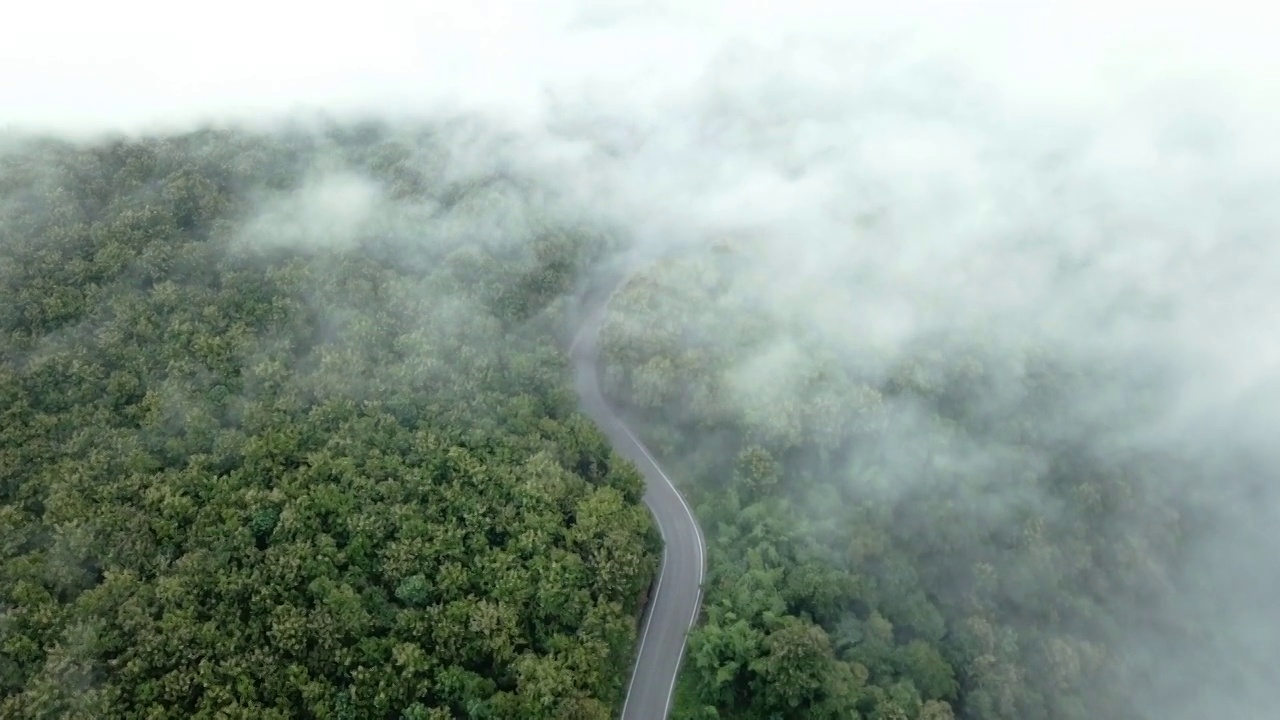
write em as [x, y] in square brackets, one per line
[1093, 183]
[329, 212]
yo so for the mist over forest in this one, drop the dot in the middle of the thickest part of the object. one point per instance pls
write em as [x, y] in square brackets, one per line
[954, 322]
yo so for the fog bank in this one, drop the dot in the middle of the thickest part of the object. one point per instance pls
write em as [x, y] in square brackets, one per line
[1096, 179]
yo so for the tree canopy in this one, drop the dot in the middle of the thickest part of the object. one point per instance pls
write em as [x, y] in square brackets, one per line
[286, 434]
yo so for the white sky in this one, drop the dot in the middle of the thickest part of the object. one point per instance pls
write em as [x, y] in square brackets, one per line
[124, 64]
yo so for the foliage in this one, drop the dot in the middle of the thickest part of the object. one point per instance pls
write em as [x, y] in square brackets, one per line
[280, 445]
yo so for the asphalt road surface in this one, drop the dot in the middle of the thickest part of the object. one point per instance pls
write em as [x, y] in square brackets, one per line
[677, 595]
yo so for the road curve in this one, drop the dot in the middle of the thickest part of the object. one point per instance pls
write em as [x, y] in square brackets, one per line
[677, 596]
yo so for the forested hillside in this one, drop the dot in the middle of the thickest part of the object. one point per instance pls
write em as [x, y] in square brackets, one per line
[941, 528]
[285, 434]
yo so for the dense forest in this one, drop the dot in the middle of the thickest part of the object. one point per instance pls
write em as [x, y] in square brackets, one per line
[286, 430]
[286, 433]
[939, 529]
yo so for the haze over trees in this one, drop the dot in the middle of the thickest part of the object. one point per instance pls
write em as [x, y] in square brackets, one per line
[969, 372]
[942, 529]
[286, 433]
[955, 320]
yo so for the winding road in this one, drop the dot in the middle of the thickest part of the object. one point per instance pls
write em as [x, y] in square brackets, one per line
[673, 606]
